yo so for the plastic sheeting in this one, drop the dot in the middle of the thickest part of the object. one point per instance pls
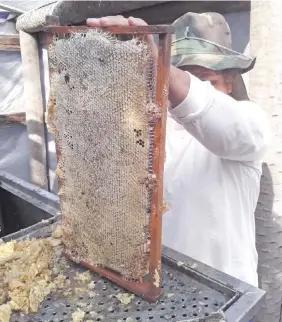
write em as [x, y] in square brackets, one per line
[14, 145]
[14, 157]
[11, 90]
[26, 5]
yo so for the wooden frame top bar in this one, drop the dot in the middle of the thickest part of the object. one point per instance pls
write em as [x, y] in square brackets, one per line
[140, 30]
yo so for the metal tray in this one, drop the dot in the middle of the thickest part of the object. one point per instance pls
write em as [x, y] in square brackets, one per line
[189, 293]
[192, 290]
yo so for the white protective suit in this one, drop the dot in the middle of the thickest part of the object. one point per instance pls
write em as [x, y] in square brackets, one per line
[214, 151]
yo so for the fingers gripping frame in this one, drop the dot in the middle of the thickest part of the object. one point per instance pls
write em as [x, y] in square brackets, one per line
[149, 287]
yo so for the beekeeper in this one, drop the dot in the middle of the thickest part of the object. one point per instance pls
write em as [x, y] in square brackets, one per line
[216, 140]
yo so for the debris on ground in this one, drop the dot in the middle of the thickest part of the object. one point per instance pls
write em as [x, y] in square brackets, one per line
[29, 271]
[125, 298]
[26, 274]
[58, 232]
[83, 277]
[78, 316]
[5, 312]
[91, 285]
[32, 269]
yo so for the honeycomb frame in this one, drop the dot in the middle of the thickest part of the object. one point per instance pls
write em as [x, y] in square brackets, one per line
[149, 286]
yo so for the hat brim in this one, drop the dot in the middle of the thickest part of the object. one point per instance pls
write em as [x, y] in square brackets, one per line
[239, 91]
[195, 53]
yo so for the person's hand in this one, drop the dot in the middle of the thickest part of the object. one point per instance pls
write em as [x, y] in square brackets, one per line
[121, 21]
[179, 81]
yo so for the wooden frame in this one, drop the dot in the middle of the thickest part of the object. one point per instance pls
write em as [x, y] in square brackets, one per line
[10, 43]
[149, 288]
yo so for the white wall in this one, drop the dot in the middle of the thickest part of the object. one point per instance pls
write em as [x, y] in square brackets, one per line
[11, 80]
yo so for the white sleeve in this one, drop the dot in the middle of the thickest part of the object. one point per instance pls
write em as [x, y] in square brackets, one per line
[232, 130]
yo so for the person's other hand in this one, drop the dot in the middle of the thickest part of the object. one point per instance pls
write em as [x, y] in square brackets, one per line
[121, 21]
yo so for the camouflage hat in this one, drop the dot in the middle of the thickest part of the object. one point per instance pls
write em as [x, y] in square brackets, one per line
[205, 40]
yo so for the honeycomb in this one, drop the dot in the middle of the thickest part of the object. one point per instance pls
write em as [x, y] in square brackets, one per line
[102, 112]
[27, 274]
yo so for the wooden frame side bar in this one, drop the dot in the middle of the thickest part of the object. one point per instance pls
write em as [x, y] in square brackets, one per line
[140, 30]
[158, 162]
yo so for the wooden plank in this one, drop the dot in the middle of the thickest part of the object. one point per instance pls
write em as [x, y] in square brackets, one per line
[165, 12]
[168, 12]
[141, 30]
[13, 118]
[10, 42]
[34, 110]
